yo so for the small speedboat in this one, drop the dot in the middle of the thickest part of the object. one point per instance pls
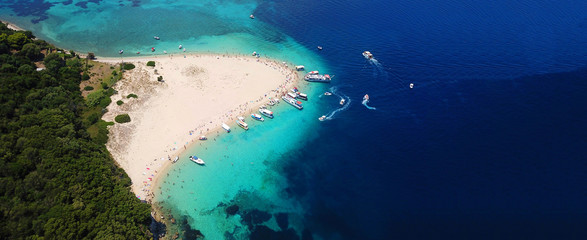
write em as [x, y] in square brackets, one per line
[156, 38]
[184, 49]
[322, 118]
[271, 103]
[226, 127]
[252, 17]
[165, 52]
[319, 47]
[121, 51]
[138, 52]
[366, 97]
[152, 49]
[175, 159]
[254, 54]
[197, 160]
[257, 117]
[203, 138]
[300, 67]
[367, 55]
[342, 101]
[327, 93]
[180, 46]
[241, 118]
[411, 85]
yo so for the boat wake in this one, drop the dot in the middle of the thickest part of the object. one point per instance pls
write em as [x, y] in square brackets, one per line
[378, 69]
[365, 101]
[345, 106]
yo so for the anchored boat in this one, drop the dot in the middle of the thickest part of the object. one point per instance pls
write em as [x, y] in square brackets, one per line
[197, 160]
[257, 117]
[266, 112]
[293, 102]
[226, 127]
[242, 124]
[314, 76]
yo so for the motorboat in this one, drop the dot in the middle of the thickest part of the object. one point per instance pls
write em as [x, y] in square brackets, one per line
[203, 138]
[315, 76]
[242, 124]
[225, 127]
[241, 118]
[180, 46]
[322, 118]
[156, 38]
[302, 96]
[257, 117]
[271, 103]
[175, 159]
[342, 101]
[292, 101]
[367, 55]
[165, 52]
[138, 52]
[252, 17]
[121, 51]
[292, 95]
[366, 97]
[411, 85]
[184, 49]
[152, 49]
[319, 47]
[327, 93]
[266, 112]
[300, 67]
[197, 160]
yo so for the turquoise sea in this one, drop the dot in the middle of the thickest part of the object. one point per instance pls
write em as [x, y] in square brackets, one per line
[488, 144]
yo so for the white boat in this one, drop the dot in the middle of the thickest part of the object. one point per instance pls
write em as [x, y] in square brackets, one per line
[302, 96]
[180, 46]
[254, 54]
[241, 118]
[226, 127]
[184, 49]
[266, 112]
[315, 76]
[319, 47]
[300, 67]
[327, 93]
[203, 138]
[242, 124]
[292, 101]
[165, 52]
[252, 17]
[156, 38]
[367, 55]
[366, 97]
[411, 85]
[175, 159]
[271, 103]
[322, 118]
[292, 95]
[342, 101]
[197, 160]
[257, 117]
[121, 51]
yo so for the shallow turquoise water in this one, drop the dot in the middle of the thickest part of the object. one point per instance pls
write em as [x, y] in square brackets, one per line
[241, 167]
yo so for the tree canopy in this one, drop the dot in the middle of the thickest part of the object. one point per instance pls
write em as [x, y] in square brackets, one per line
[56, 182]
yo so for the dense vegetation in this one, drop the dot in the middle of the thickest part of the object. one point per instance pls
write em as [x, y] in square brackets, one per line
[132, 95]
[151, 63]
[122, 118]
[57, 179]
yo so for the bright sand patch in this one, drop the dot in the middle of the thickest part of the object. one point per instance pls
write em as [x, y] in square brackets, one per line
[198, 94]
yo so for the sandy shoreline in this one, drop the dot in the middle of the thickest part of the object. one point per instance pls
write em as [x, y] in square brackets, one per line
[200, 92]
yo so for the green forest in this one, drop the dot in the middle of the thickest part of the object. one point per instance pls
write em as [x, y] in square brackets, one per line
[57, 179]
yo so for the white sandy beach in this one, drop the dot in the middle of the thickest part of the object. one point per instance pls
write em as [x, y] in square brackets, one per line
[199, 92]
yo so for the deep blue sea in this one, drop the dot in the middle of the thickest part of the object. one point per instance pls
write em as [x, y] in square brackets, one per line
[490, 143]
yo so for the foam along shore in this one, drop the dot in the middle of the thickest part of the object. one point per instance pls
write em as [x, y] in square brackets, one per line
[198, 94]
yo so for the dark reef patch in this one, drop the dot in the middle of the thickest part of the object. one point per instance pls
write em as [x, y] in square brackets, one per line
[282, 220]
[36, 8]
[232, 210]
[254, 217]
[265, 233]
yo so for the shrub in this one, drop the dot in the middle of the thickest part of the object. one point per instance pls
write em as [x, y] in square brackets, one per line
[104, 85]
[132, 95]
[160, 78]
[151, 63]
[85, 76]
[119, 102]
[122, 118]
[93, 118]
[88, 88]
[105, 102]
[128, 66]
[114, 73]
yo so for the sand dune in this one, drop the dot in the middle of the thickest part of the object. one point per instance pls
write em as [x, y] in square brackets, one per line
[199, 92]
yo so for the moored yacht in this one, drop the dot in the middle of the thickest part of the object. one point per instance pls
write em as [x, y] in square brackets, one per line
[300, 67]
[197, 160]
[257, 117]
[203, 138]
[226, 127]
[266, 112]
[367, 55]
[292, 101]
[314, 76]
[180, 46]
[342, 101]
[156, 38]
[242, 124]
